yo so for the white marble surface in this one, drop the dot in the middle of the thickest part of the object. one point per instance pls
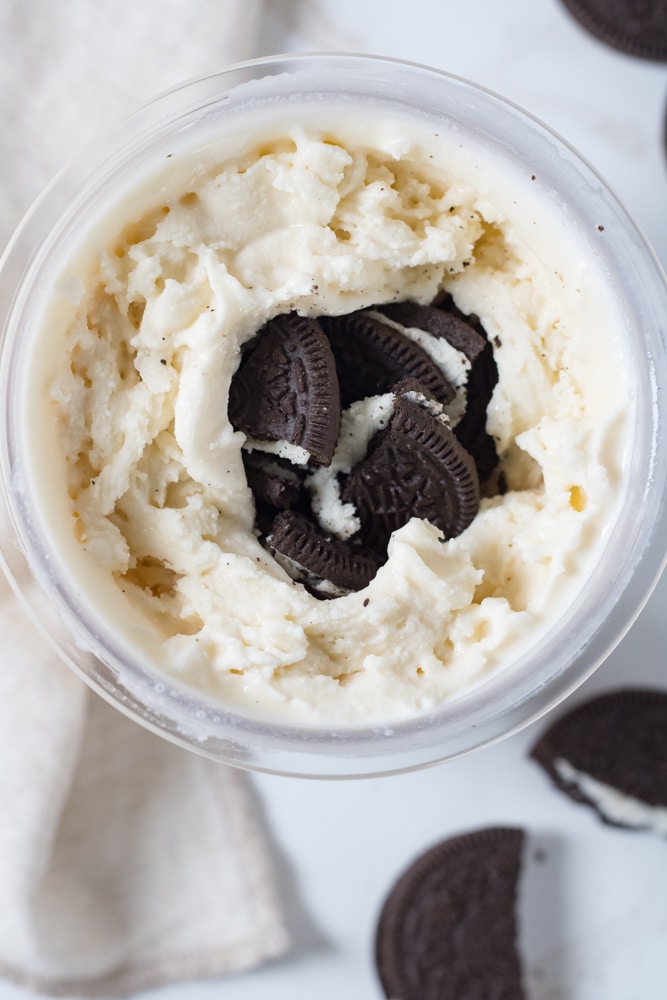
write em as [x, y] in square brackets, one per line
[594, 911]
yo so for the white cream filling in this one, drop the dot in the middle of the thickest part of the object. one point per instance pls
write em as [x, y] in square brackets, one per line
[359, 422]
[614, 805]
[453, 364]
[282, 449]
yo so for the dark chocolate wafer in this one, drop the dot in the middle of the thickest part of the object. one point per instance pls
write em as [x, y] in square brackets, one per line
[636, 28]
[272, 481]
[371, 356]
[618, 739]
[467, 335]
[440, 324]
[448, 928]
[415, 467]
[286, 388]
[327, 567]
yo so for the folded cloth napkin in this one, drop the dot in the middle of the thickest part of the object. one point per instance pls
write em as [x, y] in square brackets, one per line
[125, 862]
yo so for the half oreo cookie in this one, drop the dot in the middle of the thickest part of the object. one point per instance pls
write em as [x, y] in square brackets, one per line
[448, 928]
[371, 356]
[415, 467]
[467, 336]
[438, 323]
[610, 753]
[327, 567]
[286, 388]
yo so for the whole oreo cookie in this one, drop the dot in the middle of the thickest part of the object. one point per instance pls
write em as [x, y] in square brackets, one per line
[636, 28]
[371, 356]
[328, 567]
[286, 388]
[415, 467]
[448, 928]
[610, 753]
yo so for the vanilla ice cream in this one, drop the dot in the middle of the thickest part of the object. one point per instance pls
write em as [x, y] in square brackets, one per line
[140, 475]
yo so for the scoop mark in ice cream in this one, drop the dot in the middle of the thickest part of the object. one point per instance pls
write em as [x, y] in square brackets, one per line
[290, 387]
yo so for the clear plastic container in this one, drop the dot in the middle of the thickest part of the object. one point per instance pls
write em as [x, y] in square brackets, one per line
[628, 568]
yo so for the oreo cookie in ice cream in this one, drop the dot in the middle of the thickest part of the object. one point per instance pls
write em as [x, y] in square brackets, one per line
[299, 375]
[416, 467]
[466, 335]
[448, 928]
[610, 753]
[371, 356]
[439, 323]
[286, 388]
[328, 567]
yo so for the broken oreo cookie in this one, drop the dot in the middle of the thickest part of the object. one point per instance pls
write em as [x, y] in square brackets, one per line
[327, 567]
[448, 929]
[467, 336]
[371, 356]
[295, 377]
[610, 753]
[439, 323]
[286, 388]
[414, 468]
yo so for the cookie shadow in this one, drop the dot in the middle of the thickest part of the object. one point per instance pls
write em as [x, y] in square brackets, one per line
[542, 914]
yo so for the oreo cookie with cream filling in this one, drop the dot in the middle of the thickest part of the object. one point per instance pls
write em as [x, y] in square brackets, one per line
[466, 335]
[415, 467]
[439, 323]
[372, 356]
[448, 928]
[610, 753]
[287, 392]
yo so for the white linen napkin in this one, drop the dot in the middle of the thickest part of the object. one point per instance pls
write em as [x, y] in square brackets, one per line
[125, 862]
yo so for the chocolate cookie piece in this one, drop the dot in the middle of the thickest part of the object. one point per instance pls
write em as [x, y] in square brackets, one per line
[448, 929]
[471, 428]
[415, 467]
[445, 301]
[467, 335]
[371, 356]
[273, 482]
[327, 567]
[286, 388]
[638, 29]
[440, 324]
[610, 753]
